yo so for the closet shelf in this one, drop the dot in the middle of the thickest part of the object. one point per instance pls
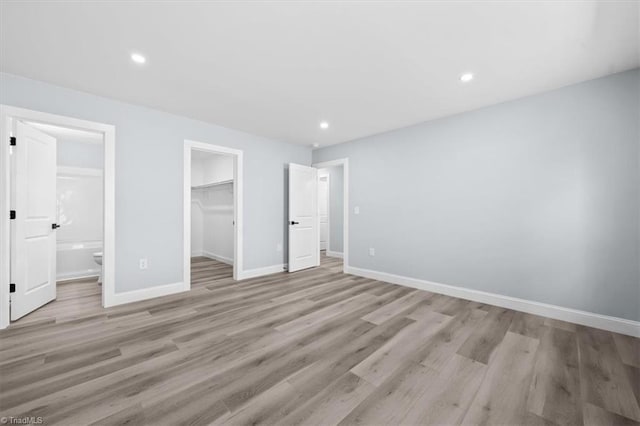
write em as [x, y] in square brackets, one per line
[211, 185]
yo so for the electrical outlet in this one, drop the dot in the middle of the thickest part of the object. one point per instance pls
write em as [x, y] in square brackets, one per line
[372, 251]
[279, 247]
[144, 263]
[356, 210]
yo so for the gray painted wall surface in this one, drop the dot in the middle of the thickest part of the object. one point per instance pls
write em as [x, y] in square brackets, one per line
[149, 179]
[336, 212]
[536, 198]
[79, 154]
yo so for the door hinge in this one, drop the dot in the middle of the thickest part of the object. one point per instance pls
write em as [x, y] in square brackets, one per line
[12, 141]
[12, 214]
[12, 288]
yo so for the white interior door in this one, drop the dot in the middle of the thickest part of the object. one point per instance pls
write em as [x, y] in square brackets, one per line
[33, 254]
[323, 210]
[304, 251]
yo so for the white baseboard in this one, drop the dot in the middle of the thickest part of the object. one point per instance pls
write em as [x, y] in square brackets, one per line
[259, 272]
[338, 254]
[604, 322]
[223, 259]
[78, 275]
[147, 293]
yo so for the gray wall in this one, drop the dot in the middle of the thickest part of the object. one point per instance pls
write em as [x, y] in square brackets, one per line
[536, 198]
[149, 179]
[79, 154]
[336, 212]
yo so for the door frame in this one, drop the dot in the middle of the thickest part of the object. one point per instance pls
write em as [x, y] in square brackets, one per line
[237, 154]
[7, 116]
[344, 162]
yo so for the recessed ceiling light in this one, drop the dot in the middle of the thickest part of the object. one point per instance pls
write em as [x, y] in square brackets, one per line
[466, 77]
[138, 58]
[324, 125]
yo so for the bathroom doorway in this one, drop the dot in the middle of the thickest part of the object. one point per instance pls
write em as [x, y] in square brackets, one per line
[74, 254]
[212, 213]
[79, 204]
[57, 243]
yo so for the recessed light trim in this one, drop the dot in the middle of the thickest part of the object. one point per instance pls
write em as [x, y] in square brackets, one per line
[466, 77]
[138, 58]
[324, 125]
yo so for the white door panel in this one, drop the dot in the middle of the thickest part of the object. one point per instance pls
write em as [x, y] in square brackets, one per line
[37, 250]
[303, 217]
[33, 255]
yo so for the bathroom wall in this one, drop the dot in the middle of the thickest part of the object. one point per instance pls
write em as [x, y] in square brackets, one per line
[74, 153]
[79, 196]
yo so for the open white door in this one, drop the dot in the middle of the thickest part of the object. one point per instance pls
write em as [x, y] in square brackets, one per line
[33, 250]
[304, 251]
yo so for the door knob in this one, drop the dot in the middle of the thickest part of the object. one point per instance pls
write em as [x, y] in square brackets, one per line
[293, 222]
[55, 226]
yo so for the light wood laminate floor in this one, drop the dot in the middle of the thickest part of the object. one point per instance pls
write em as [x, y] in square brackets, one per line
[315, 347]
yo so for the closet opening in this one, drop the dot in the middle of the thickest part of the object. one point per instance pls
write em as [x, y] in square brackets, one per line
[211, 213]
[211, 216]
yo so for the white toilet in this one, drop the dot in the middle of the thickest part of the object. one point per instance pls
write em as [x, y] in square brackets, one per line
[98, 259]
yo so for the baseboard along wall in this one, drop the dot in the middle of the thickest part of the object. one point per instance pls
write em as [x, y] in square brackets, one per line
[590, 319]
[147, 293]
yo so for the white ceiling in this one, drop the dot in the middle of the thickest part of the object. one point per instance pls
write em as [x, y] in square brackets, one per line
[277, 69]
